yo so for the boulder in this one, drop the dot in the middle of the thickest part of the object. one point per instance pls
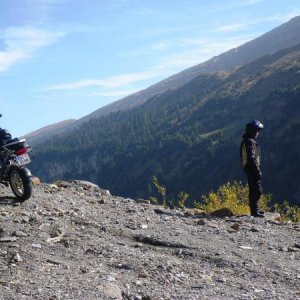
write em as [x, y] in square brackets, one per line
[222, 213]
[36, 181]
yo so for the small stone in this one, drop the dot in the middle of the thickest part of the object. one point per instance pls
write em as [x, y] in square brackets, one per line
[143, 274]
[4, 213]
[142, 201]
[19, 233]
[159, 211]
[201, 222]
[293, 249]
[110, 279]
[84, 270]
[235, 226]
[221, 280]
[189, 212]
[212, 225]
[8, 239]
[105, 192]
[17, 258]
[36, 181]
[56, 231]
[25, 220]
[144, 226]
[110, 291]
[63, 184]
[55, 261]
[33, 219]
[296, 245]
[53, 186]
[131, 210]
[101, 201]
[246, 247]
[254, 229]
[283, 249]
[37, 246]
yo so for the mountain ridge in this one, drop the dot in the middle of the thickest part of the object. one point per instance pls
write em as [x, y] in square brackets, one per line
[39, 135]
[279, 38]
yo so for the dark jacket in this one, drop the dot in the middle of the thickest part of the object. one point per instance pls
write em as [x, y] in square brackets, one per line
[5, 136]
[250, 156]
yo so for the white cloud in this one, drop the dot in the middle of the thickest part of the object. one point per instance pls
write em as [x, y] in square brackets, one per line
[288, 16]
[251, 2]
[21, 43]
[277, 18]
[7, 59]
[206, 49]
[109, 82]
[193, 41]
[165, 67]
[230, 27]
[114, 93]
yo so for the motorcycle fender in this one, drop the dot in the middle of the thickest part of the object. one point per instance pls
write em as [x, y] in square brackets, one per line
[27, 171]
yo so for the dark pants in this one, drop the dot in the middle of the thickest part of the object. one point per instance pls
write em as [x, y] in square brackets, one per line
[255, 191]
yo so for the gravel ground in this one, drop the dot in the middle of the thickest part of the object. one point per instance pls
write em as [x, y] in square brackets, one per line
[72, 241]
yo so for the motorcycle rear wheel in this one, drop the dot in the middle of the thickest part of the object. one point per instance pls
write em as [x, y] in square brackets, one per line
[20, 183]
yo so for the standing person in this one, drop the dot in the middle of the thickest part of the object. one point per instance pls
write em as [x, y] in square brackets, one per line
[251, 158]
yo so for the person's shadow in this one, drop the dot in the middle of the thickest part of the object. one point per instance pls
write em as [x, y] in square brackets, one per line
[8, 200]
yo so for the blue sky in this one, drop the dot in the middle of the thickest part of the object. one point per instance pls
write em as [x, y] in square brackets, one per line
[62, 59]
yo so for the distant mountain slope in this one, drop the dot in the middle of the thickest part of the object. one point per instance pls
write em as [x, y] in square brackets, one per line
[189, 137]
[282, 37]
[38, 136]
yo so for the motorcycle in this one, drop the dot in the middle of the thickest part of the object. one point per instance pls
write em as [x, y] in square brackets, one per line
[15, 155]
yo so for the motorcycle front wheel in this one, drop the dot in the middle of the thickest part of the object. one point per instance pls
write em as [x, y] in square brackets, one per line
[20, 183]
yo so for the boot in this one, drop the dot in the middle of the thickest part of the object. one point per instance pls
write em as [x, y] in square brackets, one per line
[257, 215]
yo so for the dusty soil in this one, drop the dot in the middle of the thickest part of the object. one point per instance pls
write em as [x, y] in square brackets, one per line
[75, 242]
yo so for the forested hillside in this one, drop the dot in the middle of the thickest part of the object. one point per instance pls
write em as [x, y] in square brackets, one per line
[189, 137]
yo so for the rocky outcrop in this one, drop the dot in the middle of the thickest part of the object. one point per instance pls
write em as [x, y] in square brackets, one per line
[71, 241]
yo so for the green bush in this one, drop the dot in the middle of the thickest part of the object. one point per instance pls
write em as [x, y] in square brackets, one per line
[162, 192]
[233, 196]
[288, 212]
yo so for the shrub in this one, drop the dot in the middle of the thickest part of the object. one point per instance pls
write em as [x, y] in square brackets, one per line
[162, 191]
[233, 196]
[288, 212]
[182, 197]
[230, 195]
